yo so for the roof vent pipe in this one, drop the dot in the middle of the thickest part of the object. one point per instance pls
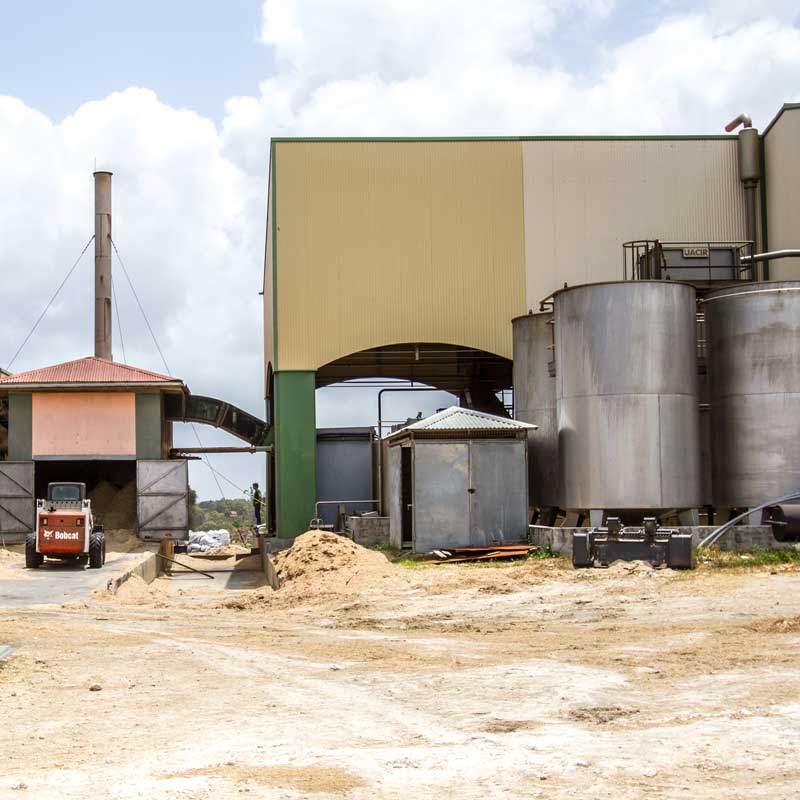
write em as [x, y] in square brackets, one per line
[102, 265]
[749, 174]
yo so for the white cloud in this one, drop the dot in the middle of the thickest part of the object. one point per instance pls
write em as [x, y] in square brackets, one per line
[190, 198]
[467, 67]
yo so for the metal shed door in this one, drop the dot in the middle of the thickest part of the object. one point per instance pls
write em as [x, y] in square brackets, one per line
[17, 503]
[162, 504]
[499, 492]
[441, 500]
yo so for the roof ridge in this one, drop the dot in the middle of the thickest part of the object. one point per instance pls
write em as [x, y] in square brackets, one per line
[116, 364]
[89, 369]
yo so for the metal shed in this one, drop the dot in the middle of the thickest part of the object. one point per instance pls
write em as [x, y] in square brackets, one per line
[457, 479]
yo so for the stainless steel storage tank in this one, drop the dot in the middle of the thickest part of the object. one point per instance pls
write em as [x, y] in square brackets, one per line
[753, 335]
[626, 394]
[535, 402]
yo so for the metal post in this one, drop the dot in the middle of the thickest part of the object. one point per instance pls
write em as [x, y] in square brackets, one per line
[380, 431]
[102, 265]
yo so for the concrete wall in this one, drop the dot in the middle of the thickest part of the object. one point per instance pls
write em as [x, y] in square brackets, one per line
[782, 176]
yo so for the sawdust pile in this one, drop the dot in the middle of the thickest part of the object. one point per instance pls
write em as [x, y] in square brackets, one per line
[322, 565]
[788, 625]
[115, 507]
[136, 591]
[10, 556]
[227, 550]
[122, 541]
[10, 561]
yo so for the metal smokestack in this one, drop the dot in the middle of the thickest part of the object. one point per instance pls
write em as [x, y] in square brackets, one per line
[102, 265]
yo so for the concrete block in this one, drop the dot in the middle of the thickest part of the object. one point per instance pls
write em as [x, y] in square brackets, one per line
[274, 545]
[369, 531]
[148, 568]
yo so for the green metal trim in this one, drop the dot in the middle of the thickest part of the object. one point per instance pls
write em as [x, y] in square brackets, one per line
[295, 452]
[784, 107]
[407, 139]
[20, 426]
[763, 197]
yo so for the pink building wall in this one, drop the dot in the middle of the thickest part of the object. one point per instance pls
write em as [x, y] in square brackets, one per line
[84, 424]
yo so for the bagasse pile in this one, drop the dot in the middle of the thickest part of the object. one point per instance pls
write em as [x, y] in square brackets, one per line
[320, 561]
[321, 564]
[115, 507]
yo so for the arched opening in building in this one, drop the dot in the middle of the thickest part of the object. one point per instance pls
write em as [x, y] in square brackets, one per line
[478, 378]
[364, 396]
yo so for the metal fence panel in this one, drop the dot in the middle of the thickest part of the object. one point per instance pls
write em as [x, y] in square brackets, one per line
[17, 500]
[162, 504]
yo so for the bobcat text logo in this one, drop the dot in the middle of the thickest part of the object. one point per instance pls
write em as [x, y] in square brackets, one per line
[61, 535]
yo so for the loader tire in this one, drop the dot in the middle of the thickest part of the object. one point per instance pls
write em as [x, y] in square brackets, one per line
[33, 560]
[97, 549]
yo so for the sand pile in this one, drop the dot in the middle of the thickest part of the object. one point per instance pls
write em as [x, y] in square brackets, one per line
[115, 507]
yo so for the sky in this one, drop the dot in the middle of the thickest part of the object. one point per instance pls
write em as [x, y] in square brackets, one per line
[179, 100]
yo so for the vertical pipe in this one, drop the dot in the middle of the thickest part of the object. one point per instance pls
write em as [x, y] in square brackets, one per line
[102, 265]
[750, 219]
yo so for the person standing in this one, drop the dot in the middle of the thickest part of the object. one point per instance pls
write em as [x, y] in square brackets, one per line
[257, 502]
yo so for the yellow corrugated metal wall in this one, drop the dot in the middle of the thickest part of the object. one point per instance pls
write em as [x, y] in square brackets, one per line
[781, 153]
[583, 199]
[269, 321]
[389, 242]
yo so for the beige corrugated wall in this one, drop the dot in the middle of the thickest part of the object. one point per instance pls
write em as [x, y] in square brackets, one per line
[583, 199]
[782, 156]
[388, 242]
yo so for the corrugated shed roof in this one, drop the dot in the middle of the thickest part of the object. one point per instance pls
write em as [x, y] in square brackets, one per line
[466, 419]
[87, 370]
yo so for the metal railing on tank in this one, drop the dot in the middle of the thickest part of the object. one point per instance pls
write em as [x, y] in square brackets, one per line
[703, 262]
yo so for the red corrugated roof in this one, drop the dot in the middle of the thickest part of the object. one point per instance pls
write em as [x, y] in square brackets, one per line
[87, 370]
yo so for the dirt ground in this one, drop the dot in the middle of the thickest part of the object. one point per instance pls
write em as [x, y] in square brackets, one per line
[372, 680]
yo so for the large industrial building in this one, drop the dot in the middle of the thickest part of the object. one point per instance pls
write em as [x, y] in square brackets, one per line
[408, 258]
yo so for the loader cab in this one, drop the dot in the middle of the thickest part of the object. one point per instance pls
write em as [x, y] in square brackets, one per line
[70, 492]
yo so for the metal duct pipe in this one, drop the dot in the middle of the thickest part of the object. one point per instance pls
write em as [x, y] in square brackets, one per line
[772, 254]
[742, 119]
[102, 265]
[749, 171]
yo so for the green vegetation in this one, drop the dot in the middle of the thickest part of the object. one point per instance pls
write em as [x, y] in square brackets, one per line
[724, 559]
[212, 515]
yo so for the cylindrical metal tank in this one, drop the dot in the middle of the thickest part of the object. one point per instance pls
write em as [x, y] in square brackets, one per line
[535, 402]
[626, 395]
[753, 336]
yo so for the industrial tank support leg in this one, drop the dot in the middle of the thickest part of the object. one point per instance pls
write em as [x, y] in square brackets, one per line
[689, 517]
[573, 519]
[596, 517]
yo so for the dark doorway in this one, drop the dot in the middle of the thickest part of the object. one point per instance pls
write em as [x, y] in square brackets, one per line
[110, 485]
[406, 497]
